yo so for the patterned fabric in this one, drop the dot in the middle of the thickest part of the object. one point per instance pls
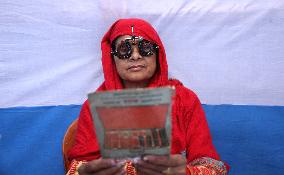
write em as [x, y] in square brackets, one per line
[130, 169]
[206, 166]
[74, 167]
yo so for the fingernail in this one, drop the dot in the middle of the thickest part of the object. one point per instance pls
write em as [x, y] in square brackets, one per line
[113, 163]
[136, 160]
[120, 163]
[145, 158]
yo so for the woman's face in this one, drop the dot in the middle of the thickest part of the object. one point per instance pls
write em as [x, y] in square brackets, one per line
[137, 68]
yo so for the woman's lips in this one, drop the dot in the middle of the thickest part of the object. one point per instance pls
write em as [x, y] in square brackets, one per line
[136, 68]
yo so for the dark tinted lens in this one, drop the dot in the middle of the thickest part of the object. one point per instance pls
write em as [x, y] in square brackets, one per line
[146, 48]
[124, 48]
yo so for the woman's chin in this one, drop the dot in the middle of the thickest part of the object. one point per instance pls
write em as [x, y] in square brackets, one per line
[137, 77]
[137, 80]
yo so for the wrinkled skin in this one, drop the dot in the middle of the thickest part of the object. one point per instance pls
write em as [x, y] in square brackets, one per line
[158, 165]
[102, 167]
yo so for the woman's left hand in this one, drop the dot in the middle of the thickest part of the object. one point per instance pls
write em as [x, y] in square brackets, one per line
[162, 165]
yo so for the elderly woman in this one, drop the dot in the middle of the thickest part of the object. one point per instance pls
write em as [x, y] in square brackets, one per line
[133, 56]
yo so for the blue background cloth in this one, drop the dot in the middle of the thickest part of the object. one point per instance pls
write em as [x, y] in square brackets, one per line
[248, 138]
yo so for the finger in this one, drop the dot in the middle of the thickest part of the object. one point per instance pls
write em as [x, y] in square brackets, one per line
[147, 165]
[154, 159]
[110, 171]
[96, 165]
[169, 161]
[121, 172]
[179, 170]
[178, 159]
[146, 171]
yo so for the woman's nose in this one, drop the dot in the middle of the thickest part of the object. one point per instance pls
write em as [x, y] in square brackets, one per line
[135, 55]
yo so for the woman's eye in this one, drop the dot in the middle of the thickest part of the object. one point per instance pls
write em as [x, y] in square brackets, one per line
[122, 49]
[147, 46]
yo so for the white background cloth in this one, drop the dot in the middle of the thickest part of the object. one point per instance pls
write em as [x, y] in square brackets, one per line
[228, 52]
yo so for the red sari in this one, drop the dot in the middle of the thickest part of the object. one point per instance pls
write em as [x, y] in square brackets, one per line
[190, 132]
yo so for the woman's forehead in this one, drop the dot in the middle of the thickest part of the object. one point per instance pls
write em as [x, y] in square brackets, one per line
[126, 37]
[122, 38]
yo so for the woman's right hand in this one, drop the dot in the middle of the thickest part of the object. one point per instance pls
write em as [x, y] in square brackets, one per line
[102, 167]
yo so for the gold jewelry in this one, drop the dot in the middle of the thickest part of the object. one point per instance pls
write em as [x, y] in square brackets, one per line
[168, 171]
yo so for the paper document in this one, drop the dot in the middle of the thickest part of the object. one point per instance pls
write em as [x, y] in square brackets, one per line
[132, 122]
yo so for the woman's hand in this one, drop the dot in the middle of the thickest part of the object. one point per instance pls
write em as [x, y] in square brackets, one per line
[159, 165]
[102, 167]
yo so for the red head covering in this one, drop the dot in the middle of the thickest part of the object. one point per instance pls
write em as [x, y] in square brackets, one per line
[124, 27]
